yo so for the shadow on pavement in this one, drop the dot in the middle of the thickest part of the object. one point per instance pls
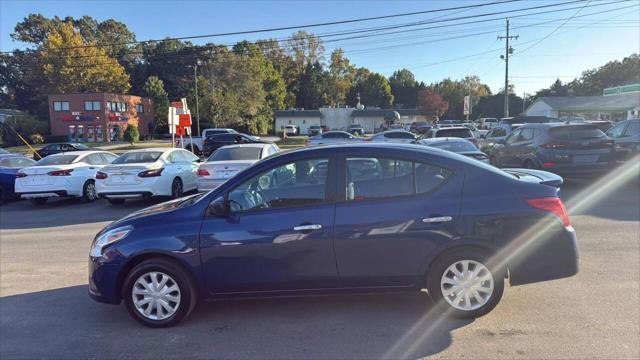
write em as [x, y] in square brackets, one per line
[22, 214]
[65, 323]
[621, 204]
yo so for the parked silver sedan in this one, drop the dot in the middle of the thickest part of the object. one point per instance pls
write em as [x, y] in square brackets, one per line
[333, 137]
[228, 160]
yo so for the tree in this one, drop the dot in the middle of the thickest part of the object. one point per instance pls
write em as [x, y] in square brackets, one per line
[340, 78]
[454, 91]
[404, 88]
[305, 48]
[79, 68]
[154, 89]
[431, 104]
[493, 106]
[556, 89]
[374, 89]
[131, 134]
[313, 90]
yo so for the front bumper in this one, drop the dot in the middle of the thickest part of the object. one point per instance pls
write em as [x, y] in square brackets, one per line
[104, 277]
[551, 257]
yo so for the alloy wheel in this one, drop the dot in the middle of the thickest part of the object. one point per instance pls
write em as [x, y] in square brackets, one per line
[90, 191]
[467, 285]
[156, 296]
[176, 189]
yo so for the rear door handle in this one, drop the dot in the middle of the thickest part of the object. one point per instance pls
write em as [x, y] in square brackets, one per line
[437, 219]
[307, 227]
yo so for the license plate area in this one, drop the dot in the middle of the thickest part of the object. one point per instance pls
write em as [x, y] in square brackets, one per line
[585, 159]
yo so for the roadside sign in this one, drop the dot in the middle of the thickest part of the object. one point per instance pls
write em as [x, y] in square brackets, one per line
[467, 105]
[185, 120]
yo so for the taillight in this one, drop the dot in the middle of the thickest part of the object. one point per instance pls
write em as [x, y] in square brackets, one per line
[60, 172]
[554, 145]
[21, 175]
[205, 142]
[177, 142]
[548, 164]
[100, 175]
[150, 173]
[553, 205]
[203, 172]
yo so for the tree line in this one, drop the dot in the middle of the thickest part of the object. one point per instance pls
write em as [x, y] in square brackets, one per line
[239, 85]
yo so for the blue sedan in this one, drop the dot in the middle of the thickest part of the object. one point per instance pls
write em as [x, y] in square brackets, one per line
[336, 219]
[9, 166]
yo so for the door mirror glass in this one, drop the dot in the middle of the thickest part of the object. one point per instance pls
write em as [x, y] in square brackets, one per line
[219, 207]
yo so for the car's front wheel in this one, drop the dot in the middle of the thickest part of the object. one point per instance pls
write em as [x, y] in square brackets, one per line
[464, 285]
[159, 293]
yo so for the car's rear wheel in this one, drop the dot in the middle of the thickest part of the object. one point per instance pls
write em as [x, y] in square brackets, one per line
[159, 293]
[39, 201]
[464, 285]
[89, 191]
[176, 188]
[115, 201]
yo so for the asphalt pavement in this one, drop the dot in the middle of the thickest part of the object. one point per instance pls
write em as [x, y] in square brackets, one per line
[45, 311]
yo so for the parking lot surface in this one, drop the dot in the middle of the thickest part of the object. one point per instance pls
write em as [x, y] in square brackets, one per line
[45, 311]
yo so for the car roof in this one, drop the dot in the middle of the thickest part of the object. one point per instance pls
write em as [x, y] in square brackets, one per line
[256, 145]
[451, 128]
[160, 149]
[444, 139]
[80, 153]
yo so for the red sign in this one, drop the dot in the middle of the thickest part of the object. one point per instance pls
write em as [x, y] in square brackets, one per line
[185, 120]
[180, 131]
[176, 104]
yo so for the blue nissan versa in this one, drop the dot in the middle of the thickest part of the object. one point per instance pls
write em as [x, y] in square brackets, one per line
[343, 218]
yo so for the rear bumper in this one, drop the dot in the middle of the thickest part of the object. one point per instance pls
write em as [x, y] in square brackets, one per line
[579, 169]
[552, 257]
[125, 195]
[209, 184]
[43, 194]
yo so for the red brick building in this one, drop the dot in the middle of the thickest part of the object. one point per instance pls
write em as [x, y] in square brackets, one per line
[98, 117]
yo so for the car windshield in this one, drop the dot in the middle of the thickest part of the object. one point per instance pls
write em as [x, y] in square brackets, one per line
[138, 157]
[576, 132]
[57, 160]
[81, 146]
[236, 153]
[461, 133]
[455, 146]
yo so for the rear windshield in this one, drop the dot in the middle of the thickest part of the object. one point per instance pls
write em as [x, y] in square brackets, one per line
[57, 160]
[81, 146]
[576, 132]
[236, 153]
[138, 157]
[455, 146]
[460, 133]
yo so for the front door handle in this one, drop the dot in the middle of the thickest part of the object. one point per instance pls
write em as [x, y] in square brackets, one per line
[437, 219]
[307, 227]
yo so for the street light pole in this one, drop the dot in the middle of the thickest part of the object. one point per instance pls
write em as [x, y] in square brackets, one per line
[195, 75]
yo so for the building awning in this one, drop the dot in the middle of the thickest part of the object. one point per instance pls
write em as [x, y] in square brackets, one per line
[611, 103]
[297, 113]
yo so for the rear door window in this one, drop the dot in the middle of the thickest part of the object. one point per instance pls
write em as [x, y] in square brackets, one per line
[632, 129]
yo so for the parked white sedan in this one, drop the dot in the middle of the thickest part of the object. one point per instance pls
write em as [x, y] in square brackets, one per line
[62, 175]
[394, 136]
[228, 160]
[333, 137]
[148, 172]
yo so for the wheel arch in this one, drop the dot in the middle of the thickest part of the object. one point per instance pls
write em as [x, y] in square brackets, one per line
[140, 258]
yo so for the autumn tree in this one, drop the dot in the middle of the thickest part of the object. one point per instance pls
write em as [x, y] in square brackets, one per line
[431, 104]
[339, 79]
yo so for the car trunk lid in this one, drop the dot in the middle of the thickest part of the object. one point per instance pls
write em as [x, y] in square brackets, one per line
[536, 176]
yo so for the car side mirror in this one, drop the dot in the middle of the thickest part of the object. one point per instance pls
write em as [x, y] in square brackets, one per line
[219, 207]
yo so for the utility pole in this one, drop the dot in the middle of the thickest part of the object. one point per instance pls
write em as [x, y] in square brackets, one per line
[507, 51]
[195, 75]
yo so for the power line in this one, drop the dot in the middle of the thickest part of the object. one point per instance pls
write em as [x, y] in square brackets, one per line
[340, 22]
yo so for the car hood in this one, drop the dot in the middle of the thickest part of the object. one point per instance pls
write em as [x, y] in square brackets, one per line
[157, 212]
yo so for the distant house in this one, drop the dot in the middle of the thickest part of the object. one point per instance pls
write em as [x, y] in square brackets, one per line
[616, 107]
[340, 118]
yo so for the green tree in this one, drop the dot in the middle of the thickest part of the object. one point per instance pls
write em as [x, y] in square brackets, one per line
[154, 89]
[313, 90]
[404, 88]
[493, 106]
[373, 88]
[340, 78]
[131, 134]
[305, 48]
[75, 69]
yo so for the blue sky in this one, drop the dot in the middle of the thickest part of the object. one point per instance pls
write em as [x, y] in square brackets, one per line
[564, 49]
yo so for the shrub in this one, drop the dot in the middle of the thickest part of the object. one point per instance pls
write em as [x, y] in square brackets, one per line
[36, 139]
[25, 125]
[131, 134]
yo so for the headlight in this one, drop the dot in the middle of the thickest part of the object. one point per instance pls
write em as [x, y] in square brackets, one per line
[109, 237]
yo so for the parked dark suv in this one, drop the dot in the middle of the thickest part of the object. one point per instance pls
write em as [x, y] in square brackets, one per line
[212, 143]
[560, 148]
[57, 149]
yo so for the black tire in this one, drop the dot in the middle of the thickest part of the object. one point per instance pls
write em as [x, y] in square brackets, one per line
[115, 201]
[440, 266]
[177, 190]
[39, 201]
[187, 291]
[89, 191]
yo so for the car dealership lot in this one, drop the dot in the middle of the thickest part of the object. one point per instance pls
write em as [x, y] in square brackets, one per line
[45, 310]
